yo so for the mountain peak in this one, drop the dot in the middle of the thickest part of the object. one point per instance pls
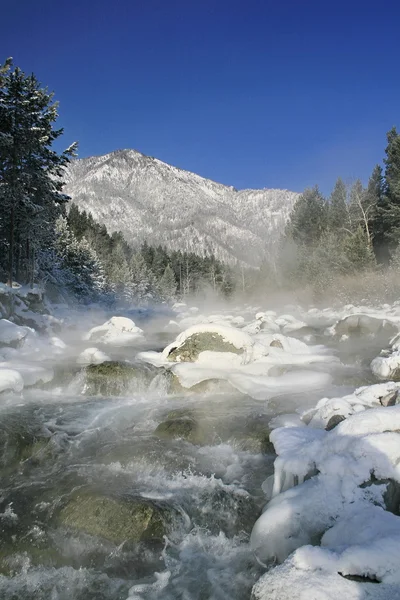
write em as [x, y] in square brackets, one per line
[148, 199]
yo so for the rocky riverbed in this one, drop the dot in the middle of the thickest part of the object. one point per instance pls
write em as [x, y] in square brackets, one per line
[249, 453]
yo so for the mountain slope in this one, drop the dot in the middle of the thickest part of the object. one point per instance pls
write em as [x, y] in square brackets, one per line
[150, 200]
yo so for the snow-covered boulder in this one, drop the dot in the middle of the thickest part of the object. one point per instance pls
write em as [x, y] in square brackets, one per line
[92, 356]
[324, 477]
[207, 338]
[12, 334]
[362, 324]
[30, 372]
[372, 396]
[387, 367]
[118, 331]
[10, 380]
[310, 574]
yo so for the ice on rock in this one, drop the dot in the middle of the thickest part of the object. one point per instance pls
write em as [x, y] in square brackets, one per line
[249, 369]
[295, 579]
[118, 331]
[296, 517]
[10, 380]
[336, 465]
[361, 399]
[12, 334]
[366, 543]
[264, 388]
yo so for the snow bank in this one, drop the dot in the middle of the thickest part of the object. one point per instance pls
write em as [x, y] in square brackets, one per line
[118, 331]
[331, 488]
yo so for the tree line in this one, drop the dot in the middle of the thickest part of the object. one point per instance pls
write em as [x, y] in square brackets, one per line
[356, 229]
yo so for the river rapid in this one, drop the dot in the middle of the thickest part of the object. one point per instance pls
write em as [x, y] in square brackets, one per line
[62, 441]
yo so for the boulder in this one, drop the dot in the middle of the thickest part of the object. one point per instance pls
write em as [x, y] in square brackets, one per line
[183, 427]
[117, 332]
[387, 368]
[21, 440]
[276, 344]
[365, 325]
[390, 399]
[113, 519]
[201, 342]
[113, 378]
[12, 335]
[10, 381]
[333, 421]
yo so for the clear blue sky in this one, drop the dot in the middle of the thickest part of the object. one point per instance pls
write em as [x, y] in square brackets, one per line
[251, 93]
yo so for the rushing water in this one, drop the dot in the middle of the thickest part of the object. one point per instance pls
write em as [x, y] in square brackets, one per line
[57, 442]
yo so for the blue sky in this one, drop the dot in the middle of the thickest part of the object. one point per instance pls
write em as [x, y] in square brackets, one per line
[250, 93]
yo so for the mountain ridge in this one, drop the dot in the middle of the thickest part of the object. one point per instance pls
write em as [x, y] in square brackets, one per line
[148, 199]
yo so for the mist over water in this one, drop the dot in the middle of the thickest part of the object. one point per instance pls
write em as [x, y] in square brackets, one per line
[66, 446]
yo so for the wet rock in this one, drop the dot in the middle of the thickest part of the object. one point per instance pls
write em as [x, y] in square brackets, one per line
[113, 378]
[232, 512]
[116, 520]
[22, 441]
[333, 421]
[200, 342]
[184, 427]
[276, 344]
[391, 496]
[390, 399]
[254, 436]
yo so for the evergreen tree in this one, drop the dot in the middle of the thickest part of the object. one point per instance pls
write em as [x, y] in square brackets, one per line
[143, 284]
[359, 251]
[386, 224]
[167, 285]
[31, 197]
[309, 218]
[338, 216]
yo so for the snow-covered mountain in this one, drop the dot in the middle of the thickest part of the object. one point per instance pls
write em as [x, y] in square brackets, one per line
[148, 199]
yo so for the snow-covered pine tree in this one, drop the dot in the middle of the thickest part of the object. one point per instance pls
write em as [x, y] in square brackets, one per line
[167, 285]
[143, 286]
[30, 170]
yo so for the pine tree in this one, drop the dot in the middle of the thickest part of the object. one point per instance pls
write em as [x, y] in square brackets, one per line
[338, 216]
[167, 285]
[143, 284]
[386, 224]
[309, 218]
[30, 170]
